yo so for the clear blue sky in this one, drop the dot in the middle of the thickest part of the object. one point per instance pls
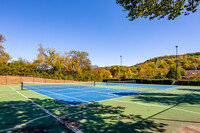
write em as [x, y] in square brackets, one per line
[99, 27]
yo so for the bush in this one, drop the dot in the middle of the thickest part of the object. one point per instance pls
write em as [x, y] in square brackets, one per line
[105, 80]
[147, 81]
[160, 81]
[127, 79]
[189, 82]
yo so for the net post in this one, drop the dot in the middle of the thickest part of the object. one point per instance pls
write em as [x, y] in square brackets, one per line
[94, 83]
[22, 85]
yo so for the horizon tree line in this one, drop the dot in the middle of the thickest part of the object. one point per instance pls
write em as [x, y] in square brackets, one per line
[76, 65]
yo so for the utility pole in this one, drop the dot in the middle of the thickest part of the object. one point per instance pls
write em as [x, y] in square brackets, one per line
[176, 62]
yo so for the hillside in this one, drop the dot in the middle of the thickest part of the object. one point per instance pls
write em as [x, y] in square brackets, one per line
[161, 67]
[189, 61]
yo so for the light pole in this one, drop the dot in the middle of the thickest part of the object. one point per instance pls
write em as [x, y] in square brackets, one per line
[176, 62]
[120, 66]
[121, 60]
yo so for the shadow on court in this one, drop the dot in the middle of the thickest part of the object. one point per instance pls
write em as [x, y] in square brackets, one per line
[101, 118]
[168, 98]
[175, 120]
[109, 119]
[127, 93]
[13, 113]
[195, 90]
[172, 100]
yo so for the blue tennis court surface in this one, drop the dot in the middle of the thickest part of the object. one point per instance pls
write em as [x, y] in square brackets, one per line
[75, 95]
[139, 85]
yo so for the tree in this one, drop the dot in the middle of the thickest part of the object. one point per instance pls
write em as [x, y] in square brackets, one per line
[158, 8]
[4, 57]
[73, 65]
[81, 58]
[115, 70]
[2, 39]
[172, 72]
[49, 58]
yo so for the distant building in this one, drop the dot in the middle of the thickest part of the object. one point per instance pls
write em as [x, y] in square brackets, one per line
[192, 71]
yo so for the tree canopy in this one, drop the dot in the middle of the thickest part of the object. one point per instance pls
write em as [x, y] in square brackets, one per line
[158, 8]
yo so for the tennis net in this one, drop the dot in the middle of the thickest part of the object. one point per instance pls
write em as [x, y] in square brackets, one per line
[39, 85]
[121, 82]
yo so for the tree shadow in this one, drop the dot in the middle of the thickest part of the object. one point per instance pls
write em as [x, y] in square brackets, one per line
[127, 93]
[193, 90]
[167, 98]
[110, 119]
[13, 113]
[176, 120]
[101, 118]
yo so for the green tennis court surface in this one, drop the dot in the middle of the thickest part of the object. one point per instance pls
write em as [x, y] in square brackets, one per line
[160, 110]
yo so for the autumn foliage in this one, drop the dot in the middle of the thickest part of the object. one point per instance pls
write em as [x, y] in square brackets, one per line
[76, 65]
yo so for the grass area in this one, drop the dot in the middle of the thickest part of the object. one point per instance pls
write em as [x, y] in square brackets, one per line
[160, 110]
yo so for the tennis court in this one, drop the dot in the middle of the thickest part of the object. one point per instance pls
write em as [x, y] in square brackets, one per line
[139, 85]
[73, 94]
[101, 108]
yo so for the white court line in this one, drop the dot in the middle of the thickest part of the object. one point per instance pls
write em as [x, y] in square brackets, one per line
[101, 100]
[87, 102]
[49, 97]
[77, 112]
[24, 124]
[21, 125]
[45, 110]
[59, 87]
[61, 107]
[63, 95]
[76, 130]
[70, 92]
[105, 93]
[106, 96]
[28, 122]
[158, 106]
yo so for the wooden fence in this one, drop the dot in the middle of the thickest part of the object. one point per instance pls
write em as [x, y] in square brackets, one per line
[8, 80]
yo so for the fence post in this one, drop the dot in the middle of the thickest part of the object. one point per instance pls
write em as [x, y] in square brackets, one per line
[22, 86]
[6, 79]
[20, 78]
